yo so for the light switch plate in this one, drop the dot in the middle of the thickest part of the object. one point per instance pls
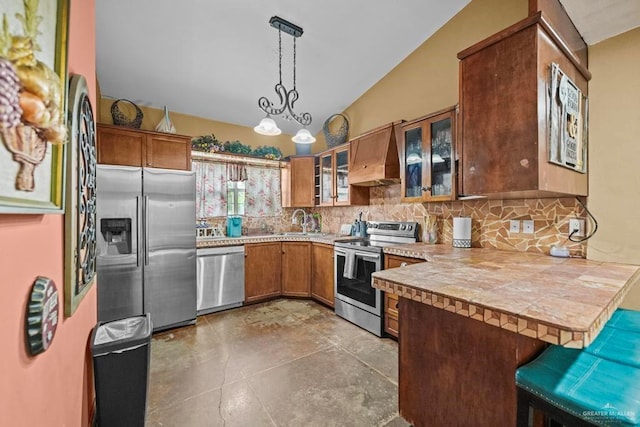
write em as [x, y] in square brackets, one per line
[514, 226]
[345, 229]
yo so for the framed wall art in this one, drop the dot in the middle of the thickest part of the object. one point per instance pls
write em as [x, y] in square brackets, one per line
[33, 129]
[568, 122]
[80, 214]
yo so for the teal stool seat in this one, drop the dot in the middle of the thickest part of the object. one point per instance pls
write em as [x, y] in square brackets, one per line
[618, 345]
[628, 320]
[578, 388]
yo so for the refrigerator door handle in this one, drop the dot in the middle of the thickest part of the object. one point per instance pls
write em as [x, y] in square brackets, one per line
[137, 231]
[146, 230]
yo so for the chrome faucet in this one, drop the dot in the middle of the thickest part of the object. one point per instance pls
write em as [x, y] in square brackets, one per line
[304, 219]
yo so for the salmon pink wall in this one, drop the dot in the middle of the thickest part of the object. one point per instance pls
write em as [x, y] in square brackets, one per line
[54, 388]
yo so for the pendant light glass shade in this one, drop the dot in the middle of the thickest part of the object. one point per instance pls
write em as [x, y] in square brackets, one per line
[303, 137]
[437, 158]
[267, 126]
[413, 159]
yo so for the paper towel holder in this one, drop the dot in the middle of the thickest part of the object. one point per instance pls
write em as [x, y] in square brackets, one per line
[461, 232]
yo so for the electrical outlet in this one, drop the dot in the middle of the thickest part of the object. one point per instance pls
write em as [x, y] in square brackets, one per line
[576, 224]
[514, 226]
[527, 227]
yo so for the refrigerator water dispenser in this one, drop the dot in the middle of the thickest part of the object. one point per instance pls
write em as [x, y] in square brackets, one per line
[117, 234]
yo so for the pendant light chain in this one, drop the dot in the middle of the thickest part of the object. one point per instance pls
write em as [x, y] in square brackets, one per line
[294, 63]
[280, 55]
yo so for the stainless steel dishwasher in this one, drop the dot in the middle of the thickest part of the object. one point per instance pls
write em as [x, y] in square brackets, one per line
[220, 278]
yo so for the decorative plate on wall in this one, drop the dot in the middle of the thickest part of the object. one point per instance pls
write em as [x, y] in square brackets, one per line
[42, 315]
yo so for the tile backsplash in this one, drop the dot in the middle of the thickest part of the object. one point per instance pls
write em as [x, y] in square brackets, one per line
[490, 219]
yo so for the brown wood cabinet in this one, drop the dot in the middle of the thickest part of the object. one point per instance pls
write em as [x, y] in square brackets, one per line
[333, 180]
[429, 158]
[262, 271]
[298, 183]
[322, 273]
[391, 306]
[118, 145]
[504, 112]
[296, 269]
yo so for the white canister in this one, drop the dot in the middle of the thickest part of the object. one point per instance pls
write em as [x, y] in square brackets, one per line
[461, 232]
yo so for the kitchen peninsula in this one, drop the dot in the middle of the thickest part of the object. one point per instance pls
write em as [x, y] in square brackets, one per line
[470, 317]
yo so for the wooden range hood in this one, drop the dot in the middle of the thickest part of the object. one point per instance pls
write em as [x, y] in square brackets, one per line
[374, 157]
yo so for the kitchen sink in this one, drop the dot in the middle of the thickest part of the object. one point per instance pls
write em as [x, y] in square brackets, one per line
[292, 233]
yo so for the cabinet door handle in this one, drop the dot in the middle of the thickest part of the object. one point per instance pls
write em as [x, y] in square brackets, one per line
[404, 264]
[397, 304]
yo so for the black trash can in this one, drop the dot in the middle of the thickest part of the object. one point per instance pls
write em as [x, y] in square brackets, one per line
[121, 350]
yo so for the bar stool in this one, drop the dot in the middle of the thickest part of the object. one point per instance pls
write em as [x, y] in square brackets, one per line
[628, 320]
[576, 388]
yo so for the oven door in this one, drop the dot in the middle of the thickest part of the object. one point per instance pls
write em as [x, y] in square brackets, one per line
[354, 285]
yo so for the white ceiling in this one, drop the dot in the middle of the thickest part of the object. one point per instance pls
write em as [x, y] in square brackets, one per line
[215, 58]
[599, 20]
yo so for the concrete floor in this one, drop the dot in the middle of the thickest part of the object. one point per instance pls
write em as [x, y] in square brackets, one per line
[280, 363]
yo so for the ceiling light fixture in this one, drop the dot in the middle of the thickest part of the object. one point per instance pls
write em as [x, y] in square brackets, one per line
[267, 125]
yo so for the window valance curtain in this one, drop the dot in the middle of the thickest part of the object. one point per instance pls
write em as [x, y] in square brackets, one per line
[211, 189]
[263, 192]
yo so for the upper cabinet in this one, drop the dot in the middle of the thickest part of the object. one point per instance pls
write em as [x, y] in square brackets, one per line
[334, 188]
[131, 147]
[523, 119]
[298, 182]
[374, 157]
[429, 158]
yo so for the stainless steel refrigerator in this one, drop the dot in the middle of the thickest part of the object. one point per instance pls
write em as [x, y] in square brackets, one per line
[146, 244]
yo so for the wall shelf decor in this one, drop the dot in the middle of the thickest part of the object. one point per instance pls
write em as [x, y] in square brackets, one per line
[80, 217]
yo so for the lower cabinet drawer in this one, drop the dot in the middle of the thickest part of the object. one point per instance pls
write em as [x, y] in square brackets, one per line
[391, 304]
[391, 325]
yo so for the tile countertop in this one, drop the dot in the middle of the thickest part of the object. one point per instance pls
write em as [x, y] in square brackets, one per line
[213, 242]
[563, 301]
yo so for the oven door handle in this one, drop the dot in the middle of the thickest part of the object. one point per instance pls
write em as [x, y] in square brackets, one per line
[367, 256]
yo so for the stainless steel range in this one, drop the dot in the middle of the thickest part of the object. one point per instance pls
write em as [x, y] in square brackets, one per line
[355, 260]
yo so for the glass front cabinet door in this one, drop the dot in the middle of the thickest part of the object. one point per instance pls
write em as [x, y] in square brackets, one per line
[429, 158]
[326, 179]
[342, 176]
[334, 177]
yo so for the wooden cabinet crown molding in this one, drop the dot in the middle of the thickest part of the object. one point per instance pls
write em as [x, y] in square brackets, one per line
[536, 19]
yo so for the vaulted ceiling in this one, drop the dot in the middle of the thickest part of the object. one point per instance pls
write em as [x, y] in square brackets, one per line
[214, 59]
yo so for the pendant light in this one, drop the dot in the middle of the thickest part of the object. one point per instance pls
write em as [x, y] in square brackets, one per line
[287, 98]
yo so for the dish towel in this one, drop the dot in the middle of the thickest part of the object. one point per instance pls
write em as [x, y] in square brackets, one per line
[349, 265]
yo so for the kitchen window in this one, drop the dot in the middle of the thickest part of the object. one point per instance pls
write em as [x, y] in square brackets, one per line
[236, 192]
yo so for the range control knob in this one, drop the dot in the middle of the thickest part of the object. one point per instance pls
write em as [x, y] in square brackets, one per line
[403, 226]
[409, 227]
[374, 225]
